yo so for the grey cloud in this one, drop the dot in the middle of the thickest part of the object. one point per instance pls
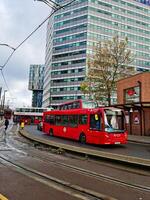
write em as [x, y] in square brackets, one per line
[18, 19]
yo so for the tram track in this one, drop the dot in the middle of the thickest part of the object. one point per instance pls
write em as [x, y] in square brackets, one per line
[60, 184]
[39, 146]
[93, 174]
[74, 190]
[82, 171]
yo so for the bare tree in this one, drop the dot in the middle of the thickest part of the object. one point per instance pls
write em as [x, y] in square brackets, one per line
[108, 64]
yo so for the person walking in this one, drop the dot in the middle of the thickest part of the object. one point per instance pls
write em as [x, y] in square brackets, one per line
[6, 124]
[22, 125]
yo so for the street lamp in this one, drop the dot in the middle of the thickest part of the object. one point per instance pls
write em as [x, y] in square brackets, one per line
[7, 45]
[3, 105]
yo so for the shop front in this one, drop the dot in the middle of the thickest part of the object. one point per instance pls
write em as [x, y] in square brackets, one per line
[134, 97]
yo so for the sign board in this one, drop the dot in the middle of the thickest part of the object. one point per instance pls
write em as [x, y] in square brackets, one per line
[136, 119]
[132, 95]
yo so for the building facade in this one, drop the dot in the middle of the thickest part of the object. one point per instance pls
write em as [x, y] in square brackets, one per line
[134, 97]
[72, 33]
[36, 79]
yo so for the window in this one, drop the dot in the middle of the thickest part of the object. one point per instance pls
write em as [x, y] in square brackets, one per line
[75, 105]
[83, 119]
[58, 119]
[73, 119]
[47, 117]
[64, 120]
[114, 120]
[95, 122]
[52, 119]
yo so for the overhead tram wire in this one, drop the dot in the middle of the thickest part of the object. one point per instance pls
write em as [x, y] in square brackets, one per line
[55, 10]
[9, 57]
[50, 3]
[14, 49]
[27, 39]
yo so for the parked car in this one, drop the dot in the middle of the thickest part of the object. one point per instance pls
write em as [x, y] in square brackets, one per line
[40, 126]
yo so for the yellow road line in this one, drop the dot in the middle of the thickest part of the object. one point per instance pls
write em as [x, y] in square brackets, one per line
[2, 197]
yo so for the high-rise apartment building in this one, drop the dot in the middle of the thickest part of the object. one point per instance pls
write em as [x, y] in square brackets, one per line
[72, 33]
[36, 78]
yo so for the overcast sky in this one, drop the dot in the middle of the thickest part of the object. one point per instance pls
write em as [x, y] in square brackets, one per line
[18, 18]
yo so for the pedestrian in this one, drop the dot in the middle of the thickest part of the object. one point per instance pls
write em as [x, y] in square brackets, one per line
[22, 125]
[6, 124]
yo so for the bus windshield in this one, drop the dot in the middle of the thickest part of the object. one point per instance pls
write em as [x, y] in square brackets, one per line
[89, 104]
[114, 120]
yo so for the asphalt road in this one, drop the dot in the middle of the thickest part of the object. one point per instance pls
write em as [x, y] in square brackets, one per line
[129, 149]
[18, 183]
[16, 186]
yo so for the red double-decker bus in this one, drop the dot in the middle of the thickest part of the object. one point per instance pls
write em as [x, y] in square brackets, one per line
[76, 104]
[96, 126]
[29, 115]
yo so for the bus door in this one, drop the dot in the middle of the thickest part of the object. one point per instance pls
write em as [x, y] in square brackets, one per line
[95, 127]
[83, 125]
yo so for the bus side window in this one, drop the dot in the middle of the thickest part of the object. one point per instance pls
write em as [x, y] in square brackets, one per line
[73, 120]
[83, 119]
[47, 119]
[58, 119]
[65, 107]
[78, 105]
[69, 106]
[52, 119]
[74, 105]
[65, 121]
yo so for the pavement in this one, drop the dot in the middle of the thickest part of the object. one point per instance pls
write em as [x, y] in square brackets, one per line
[139, 139]
[1, 122]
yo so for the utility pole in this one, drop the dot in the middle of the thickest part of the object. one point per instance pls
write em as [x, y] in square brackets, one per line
[0, 103]
[3, 101]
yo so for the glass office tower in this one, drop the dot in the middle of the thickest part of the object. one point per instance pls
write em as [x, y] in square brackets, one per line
[36, 78]
[74, 31]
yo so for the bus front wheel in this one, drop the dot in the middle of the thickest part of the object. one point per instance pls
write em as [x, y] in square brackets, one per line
[82, 138]
[51, 132]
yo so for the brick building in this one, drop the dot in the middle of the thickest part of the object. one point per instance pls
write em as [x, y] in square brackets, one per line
[133, 94]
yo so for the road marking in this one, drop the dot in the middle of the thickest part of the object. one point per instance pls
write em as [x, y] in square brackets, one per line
[2, 197]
